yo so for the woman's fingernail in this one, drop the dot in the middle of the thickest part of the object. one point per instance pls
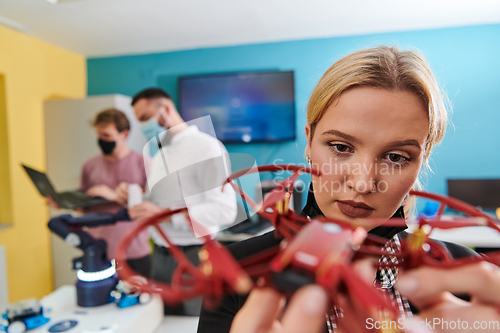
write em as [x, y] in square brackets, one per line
[261, 282]
[407, 285]
[314, 301]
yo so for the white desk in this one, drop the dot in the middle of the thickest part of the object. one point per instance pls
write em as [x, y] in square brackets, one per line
[178, 324]
[470, 236]
[61, 306]
[144, 318]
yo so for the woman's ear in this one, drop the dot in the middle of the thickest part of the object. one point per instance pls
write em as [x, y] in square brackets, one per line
[308, 137]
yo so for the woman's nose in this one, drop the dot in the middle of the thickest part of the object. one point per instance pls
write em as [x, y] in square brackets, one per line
[362, 176]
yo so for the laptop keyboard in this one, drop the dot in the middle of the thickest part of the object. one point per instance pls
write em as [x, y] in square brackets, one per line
[79, 194]
[74, 197]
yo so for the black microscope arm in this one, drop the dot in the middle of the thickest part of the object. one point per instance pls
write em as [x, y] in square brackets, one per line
[94, 250]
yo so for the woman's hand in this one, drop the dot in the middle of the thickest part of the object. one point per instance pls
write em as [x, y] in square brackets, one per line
[306, 311]
[430, 290]
[261, 313]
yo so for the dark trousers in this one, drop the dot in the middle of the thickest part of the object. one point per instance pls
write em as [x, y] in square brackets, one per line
[163, 266]
[141, 265]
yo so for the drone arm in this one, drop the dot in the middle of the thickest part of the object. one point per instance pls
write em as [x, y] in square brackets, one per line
[367, 295]
[225, 264]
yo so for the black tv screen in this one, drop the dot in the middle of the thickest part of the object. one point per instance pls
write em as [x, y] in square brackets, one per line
[244, 107]
[477, 192]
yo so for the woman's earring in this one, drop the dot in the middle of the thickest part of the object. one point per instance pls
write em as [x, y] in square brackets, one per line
[308, 158]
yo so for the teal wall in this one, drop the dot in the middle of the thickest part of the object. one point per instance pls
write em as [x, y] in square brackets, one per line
[465, 60]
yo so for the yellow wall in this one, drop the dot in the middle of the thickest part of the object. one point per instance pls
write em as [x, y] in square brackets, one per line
[33, 71]
[5, 199]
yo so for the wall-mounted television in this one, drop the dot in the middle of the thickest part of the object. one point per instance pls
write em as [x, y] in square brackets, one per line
[244, 107]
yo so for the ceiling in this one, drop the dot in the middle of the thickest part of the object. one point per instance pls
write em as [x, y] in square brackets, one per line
[97, 28]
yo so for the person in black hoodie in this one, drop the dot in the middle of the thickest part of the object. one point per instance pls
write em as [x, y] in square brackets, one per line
[372, 122]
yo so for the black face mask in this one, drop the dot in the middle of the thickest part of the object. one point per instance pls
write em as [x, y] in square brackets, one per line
[107, 147]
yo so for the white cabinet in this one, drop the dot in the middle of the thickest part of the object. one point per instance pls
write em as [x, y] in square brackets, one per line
[70, 140]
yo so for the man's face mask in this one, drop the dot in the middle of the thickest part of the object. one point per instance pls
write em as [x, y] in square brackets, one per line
[107, 147]
[151, 129]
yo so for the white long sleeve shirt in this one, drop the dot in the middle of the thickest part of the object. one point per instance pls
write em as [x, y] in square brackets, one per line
[188, 172]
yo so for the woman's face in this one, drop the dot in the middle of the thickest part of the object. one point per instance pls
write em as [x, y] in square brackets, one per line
[369, 148]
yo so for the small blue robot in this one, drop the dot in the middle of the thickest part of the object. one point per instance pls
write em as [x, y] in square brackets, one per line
[124, 296]
[23, 316]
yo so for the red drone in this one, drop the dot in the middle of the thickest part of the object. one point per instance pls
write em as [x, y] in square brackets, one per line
[321, 251]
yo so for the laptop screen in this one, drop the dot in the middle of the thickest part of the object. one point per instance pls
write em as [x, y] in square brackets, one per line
[41, 182]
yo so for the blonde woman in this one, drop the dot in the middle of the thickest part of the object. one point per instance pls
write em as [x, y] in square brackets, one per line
[372, 122]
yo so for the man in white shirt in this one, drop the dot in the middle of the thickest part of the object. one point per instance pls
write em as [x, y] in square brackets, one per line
[187, 171]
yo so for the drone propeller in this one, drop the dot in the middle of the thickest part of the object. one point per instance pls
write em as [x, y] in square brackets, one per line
[285, 186]
[281, 193]
[458, 205]
[219, 272]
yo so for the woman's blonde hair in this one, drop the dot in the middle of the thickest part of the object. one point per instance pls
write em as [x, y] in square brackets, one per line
[388, 68]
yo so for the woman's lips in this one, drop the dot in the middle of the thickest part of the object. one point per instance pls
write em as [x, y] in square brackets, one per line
[354, 209]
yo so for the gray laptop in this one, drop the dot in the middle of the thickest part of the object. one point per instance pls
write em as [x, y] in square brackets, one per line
[69, 200]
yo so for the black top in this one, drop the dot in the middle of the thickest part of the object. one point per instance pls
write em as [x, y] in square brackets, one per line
[220, 320]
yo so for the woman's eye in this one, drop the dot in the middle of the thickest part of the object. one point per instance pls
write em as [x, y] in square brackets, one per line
[395, 157]
[342, 148]
[399, 159]
[339, 148]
